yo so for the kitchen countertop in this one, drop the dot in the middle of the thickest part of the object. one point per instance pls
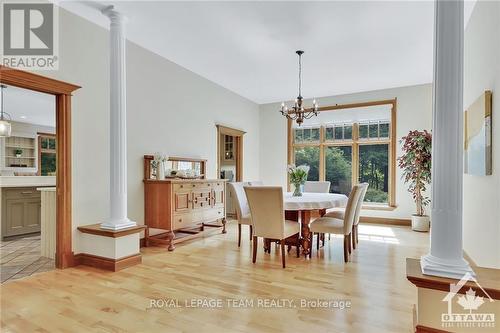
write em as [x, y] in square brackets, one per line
[46, 189]
[27, 181]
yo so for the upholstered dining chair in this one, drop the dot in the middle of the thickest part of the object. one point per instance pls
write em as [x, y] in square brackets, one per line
[339, 214]
[268, 217]
[241, 204]
[332, 225]
[317, 187]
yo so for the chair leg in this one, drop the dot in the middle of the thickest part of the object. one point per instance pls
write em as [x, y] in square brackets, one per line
[239, 235]
[283, 252]
[251, 232]
[353, 237]
[357, 241]
[329, 236]
[349, 243]
[317, 242]
[298, 249]
[323, 239]
[346, 244]
[254, 257]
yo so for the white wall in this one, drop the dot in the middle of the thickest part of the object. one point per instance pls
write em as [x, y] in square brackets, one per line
[170, 109]
[482, 193]
[414, 111]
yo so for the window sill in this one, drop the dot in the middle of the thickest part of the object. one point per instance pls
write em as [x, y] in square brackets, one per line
[378, 207]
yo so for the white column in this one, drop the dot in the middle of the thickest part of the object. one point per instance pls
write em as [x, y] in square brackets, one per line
[446, 255]
[118, 124]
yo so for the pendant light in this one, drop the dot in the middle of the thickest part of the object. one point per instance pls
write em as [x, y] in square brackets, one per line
[5, 125]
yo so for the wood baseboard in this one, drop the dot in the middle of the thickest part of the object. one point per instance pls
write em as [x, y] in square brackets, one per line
[108, 264]
[385, 220]
[425, 329]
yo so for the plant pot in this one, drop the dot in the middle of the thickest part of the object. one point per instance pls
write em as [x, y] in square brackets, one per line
[420, 223]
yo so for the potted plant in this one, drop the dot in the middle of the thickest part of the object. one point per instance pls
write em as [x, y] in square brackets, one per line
[416, 165]
[159, 164]
[298, 177]
[18, 152]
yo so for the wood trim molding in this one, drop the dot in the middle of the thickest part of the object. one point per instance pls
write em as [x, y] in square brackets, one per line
[385, 220]
[107, 264]
[425, 329]
[487, 277]
[229, 131]
[31, 81]
[354, 143]
[95, 229]
[238, 134]
[62, 91]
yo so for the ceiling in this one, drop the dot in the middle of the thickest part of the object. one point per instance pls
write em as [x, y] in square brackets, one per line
[249, 47]
[29, 106]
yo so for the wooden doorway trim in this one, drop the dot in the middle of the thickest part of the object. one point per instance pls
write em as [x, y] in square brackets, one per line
[62, 92]
[238, 134]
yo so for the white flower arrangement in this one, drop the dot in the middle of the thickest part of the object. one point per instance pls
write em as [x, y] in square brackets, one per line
[298, 174]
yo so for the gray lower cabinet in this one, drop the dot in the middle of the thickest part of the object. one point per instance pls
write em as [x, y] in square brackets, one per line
[21, 211]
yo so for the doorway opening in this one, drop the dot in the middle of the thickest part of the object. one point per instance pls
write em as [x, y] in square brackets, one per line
[62, 92]
[229, 160]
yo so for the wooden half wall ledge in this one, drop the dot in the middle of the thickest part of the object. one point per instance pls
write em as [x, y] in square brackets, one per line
[104, 263]
[95, 229]
[488, 278]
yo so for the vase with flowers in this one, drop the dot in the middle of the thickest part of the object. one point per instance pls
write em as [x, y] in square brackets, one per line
[298, 177]
[159, 164]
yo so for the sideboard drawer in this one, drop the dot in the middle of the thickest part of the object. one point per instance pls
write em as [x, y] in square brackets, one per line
[182, 221]
[214, 214]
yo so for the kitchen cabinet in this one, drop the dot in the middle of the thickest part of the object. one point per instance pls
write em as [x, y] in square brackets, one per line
[21, 211]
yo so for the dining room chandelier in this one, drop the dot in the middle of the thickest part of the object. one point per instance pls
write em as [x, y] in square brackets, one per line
[297, 112]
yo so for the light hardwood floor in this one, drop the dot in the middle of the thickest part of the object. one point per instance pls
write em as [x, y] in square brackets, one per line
[84, 299]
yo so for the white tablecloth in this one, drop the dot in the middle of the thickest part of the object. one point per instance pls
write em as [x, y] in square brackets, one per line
[312, 201]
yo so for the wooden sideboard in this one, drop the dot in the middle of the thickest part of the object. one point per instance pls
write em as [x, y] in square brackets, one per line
[180, 209]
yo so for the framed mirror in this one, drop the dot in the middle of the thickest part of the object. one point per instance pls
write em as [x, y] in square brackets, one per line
[176, 167]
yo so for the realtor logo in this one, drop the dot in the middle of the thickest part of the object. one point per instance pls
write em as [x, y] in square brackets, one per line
[29, 32]
[469, 302]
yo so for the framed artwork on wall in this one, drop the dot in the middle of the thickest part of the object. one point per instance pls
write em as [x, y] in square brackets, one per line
[477, 136]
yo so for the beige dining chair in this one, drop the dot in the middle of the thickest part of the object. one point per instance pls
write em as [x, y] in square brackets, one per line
[317, 187]
[332, 225]
[240, 202]
[268, 217]
[242, 210]
[339, 214]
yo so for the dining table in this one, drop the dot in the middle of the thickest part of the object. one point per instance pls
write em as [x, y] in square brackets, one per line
[303, 208]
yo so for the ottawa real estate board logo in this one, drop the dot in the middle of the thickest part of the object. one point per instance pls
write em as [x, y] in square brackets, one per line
[29, 35]
[471, 317]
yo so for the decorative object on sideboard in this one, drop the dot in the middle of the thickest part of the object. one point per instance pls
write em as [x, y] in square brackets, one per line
[18, 152]
[297, 112]
[416, 165]
[159, 164]
[298, 177]
[5, 125]
[477, 136]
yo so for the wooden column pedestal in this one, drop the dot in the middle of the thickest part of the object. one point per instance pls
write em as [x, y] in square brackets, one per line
[108, 249]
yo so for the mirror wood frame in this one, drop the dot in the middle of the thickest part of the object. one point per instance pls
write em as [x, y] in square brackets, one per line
[62, 92]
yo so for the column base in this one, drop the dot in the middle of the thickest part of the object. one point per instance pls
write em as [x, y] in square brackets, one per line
[453, 269]
[118, 224]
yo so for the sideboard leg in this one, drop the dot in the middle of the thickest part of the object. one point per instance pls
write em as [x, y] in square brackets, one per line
[170, 237]
[224, 226]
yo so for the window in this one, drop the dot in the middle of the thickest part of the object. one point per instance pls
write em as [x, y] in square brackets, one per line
[338, 168]
[308, 156]
[352, 151]
[374, 170]
[307, 135]
[47, 155]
